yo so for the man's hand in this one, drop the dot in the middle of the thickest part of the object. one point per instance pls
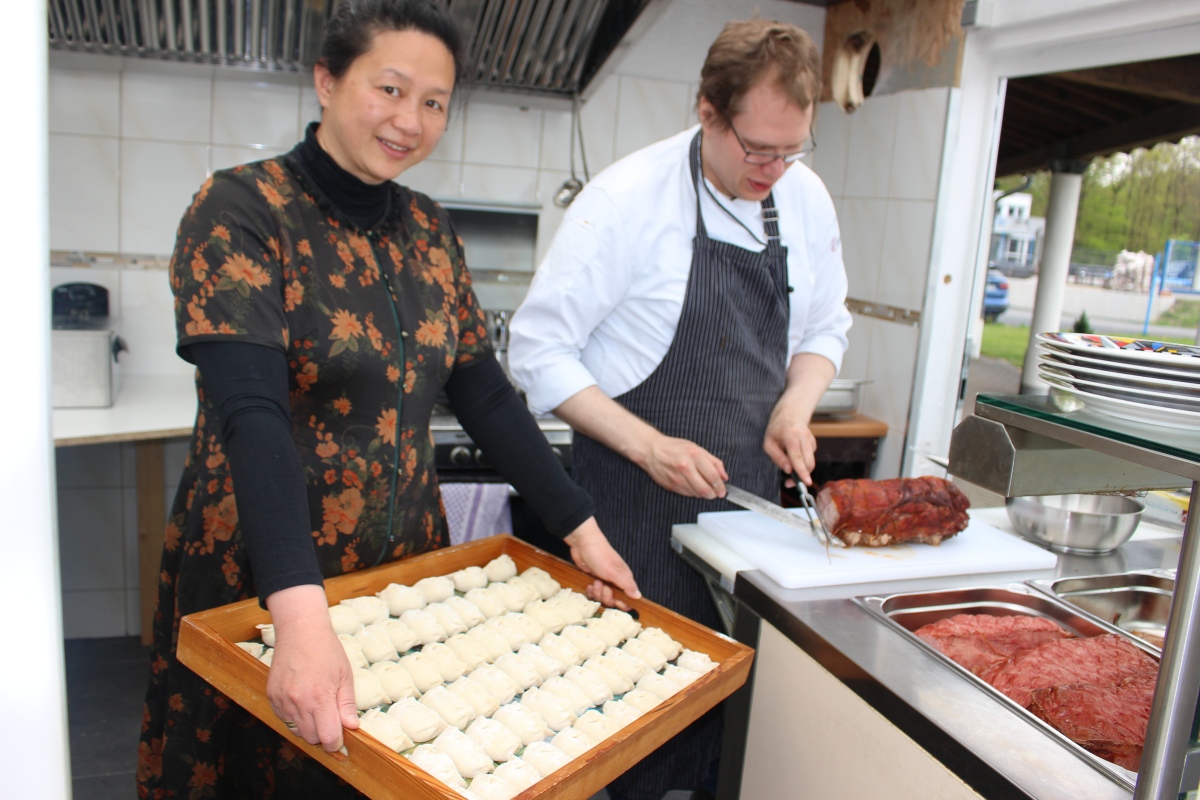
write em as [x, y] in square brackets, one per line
[791, 445]
[685, 468]
[310, 685]
[592, 553]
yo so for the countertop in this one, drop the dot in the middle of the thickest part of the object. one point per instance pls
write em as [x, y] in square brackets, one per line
[146, 407]
[1000, 753]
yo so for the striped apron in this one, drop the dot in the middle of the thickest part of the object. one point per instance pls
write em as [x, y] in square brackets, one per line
[716, 386]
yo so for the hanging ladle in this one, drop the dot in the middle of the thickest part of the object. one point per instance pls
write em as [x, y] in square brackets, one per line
[572, 186]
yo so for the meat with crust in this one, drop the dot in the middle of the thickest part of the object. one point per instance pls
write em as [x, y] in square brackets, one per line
[1101, 660]
[1109, 721]
[897, 511]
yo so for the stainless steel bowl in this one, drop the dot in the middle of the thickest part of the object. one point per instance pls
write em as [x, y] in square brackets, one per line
[1087, 524]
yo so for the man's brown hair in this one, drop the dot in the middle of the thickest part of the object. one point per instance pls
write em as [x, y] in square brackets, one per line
[749, 51]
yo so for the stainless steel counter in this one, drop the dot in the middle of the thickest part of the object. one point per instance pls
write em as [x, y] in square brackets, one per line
[997, 752]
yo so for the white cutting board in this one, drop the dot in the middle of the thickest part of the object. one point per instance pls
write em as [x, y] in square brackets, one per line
[796, 560]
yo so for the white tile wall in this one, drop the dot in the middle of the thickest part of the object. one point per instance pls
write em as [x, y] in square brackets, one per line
[158, 182]
[833, 139]
[84, 193]
[502, 135]
[148, 324]
[648, 110]
[261, 112]
[438, 179]
[84, 102]
[169, 107]
[499, 184]
[920, 130]
[872, 142]
[906, 240]
[862, 225]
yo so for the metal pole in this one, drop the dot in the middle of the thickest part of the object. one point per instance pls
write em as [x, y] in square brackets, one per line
[1174, 708]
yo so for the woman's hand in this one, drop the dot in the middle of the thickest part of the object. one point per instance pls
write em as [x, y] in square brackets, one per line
[592, 553]
[309, 685]
[684, 467]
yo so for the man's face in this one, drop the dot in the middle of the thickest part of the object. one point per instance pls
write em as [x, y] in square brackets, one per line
[767, 122]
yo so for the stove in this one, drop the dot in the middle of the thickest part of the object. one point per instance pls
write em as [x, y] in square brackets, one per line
[459, 460]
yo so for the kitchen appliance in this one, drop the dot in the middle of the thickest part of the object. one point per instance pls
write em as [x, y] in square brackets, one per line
[1085, 524]
[84, 347]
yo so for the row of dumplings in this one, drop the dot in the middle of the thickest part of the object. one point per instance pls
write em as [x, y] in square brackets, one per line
[508, 635]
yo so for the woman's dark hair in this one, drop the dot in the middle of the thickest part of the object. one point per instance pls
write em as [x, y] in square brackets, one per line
[354, 23]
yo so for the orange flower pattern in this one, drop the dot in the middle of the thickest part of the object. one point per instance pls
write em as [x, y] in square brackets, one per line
[372, 324]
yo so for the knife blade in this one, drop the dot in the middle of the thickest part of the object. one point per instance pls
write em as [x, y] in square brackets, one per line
[753, 502]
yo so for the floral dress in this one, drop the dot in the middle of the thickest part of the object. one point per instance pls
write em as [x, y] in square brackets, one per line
[372, 324]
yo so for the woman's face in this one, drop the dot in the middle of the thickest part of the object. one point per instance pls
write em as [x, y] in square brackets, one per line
[387, 112]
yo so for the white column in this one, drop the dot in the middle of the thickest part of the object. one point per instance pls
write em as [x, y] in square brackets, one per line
[1061, 210]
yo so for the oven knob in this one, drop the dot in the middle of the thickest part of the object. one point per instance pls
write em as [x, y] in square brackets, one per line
[481, 459]
[460, 456]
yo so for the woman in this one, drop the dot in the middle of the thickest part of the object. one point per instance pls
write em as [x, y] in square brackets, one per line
[325, 307]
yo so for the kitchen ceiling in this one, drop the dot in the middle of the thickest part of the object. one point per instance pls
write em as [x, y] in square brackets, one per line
[546, 47]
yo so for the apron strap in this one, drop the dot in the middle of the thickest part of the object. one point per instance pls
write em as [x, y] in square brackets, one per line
[770, 213]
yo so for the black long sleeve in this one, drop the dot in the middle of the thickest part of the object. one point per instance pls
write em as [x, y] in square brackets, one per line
[248, 385]
[494, 416]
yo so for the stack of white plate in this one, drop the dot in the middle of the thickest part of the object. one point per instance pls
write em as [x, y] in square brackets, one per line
[1132, 379]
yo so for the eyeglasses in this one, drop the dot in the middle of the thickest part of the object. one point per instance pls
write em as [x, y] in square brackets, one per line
[766, 158]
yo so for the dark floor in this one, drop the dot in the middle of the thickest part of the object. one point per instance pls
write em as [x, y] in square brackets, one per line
[106, 683]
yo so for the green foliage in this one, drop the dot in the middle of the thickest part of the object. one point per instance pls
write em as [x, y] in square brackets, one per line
[1184, 314]
[1082, 325]
[1009, 342]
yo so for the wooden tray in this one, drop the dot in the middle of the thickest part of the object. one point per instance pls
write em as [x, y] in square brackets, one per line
[207, 645]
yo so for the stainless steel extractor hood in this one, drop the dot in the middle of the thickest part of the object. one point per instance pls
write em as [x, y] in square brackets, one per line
[549, 47]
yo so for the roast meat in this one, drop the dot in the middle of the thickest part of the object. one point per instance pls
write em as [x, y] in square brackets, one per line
[976, 641]
[1109, 721]
[896, 511]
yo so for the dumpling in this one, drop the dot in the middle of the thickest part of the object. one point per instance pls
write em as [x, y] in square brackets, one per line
[435, 589]
[376, 644]
[487, 602]
[268, 656]
[616, 679]
[449, 706]
[576, 697]
[520, 669]
[548, 617]
[559, 648]
[447, 617]
[500, 569]
[498, 682]
[567, 609]
[526, 588]
[468, 757]
[552, 708]
[533, 630]
[606, 629]
[402, 636]
[589, 644]
[546, 666]
[401, 598]
[368, 691]
[510, 629]
[489, 787]
[267, 634]
[496, 740]
[354, 651]
[658, 686]
[661, 640]
[579, 601]
[253, 648]
[629, 626]
[369, 608]
[518, 773]
[632, 666]
[573, 742]
[526, 723]
[423, 669]
[469, 612]
[420, 723]
[395, 680]
[621, 712]
[469, 578]
[649, 654]
[476, 694]
[545, 584]
[594, 686]
[424, 625]
[597, 726]
[448, 663]
[681, 675]
[386, 729]
[493, 641]
[544, 757]
[640, 699]
[470, 651]
[513, 598]
[437, 764]
[697, 662]
[345, 620]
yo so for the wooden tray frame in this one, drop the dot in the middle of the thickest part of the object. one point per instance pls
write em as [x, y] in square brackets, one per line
[207, 645]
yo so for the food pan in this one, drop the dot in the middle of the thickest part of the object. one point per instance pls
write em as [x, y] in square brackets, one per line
[1136, 602]
[841, 398]
[911, 610]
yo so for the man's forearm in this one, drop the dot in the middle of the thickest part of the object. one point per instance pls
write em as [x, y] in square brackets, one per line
[808, 376]
[595, 414]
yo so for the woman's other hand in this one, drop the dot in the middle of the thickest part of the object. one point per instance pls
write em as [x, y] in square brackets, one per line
[310, 685]
[592, 553]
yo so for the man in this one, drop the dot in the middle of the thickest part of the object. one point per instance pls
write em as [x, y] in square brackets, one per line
[685, 322]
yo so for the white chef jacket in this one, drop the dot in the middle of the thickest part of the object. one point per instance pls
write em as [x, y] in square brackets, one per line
[603, 307]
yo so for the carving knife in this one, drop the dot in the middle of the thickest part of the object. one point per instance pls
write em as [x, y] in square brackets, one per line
[753, 502]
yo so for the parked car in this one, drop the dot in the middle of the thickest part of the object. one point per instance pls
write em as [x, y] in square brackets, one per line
[995, 297]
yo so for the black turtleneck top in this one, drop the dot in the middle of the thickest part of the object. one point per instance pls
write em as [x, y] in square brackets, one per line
[248, 384]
